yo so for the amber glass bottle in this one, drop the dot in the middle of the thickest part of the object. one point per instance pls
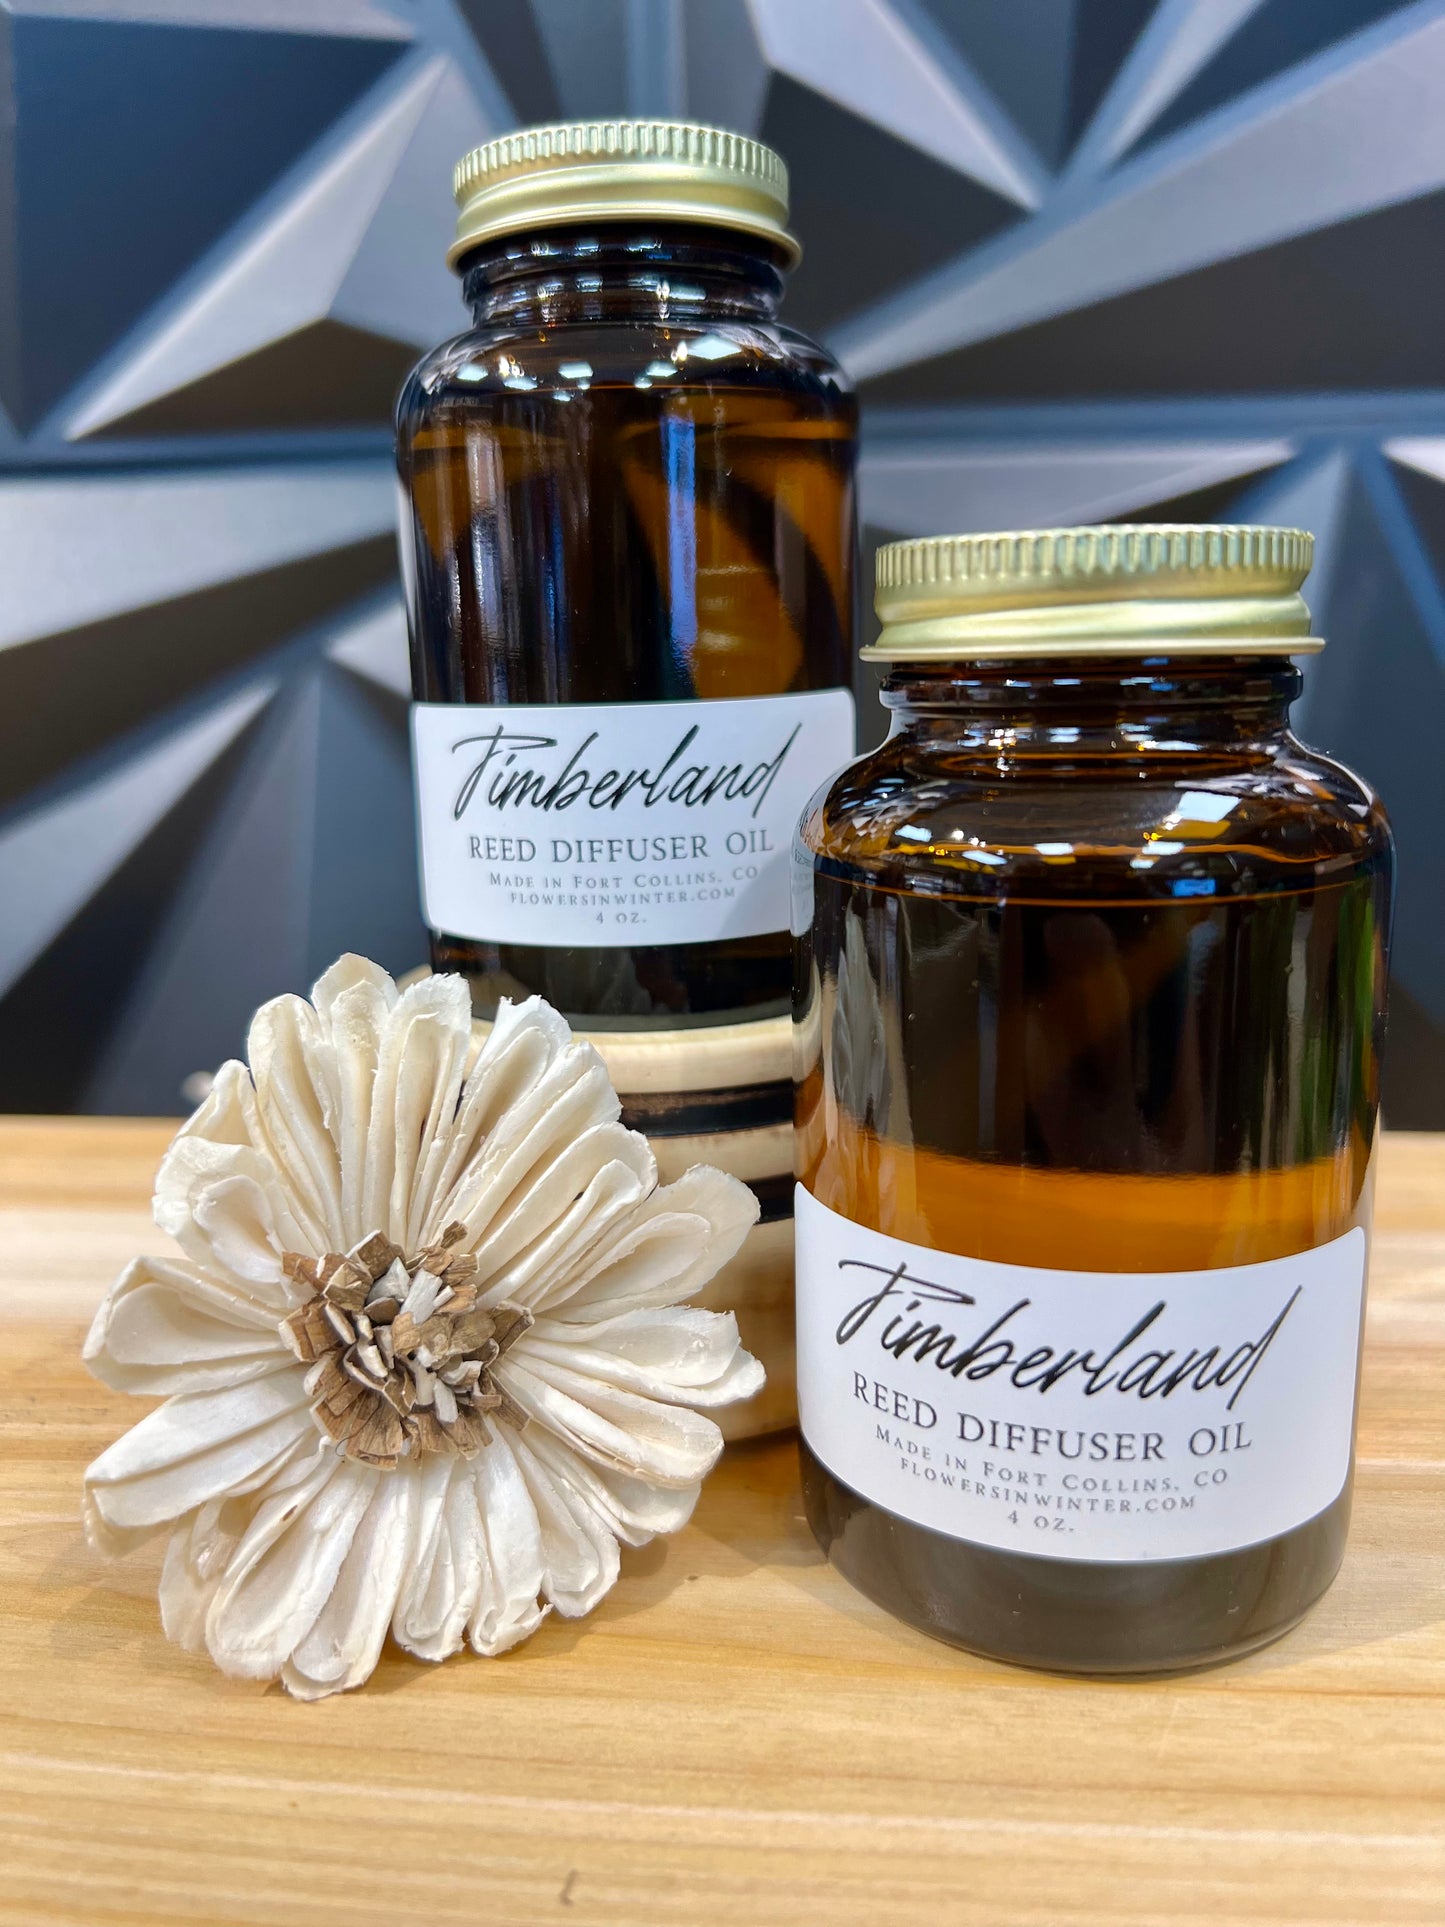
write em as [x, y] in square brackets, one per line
[629, 540]
[1089, 1000]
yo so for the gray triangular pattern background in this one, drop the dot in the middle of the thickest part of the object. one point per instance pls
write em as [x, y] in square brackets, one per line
[202, 654]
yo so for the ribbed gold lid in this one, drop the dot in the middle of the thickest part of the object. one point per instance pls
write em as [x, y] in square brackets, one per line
[618, 170]
[1130, 589]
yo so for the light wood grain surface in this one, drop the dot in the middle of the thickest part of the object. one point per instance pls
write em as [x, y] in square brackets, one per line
[734, 1736]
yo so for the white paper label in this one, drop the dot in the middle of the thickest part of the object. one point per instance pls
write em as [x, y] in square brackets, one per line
[618, 823]
[1078, 1414]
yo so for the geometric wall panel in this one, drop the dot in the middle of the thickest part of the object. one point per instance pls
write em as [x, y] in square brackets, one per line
[274, 387]
[55, 857]
[94, 546]
[374, 647]
[1346, 138]
[1087, 259]
[1170, 47]
[918, 486]
[320, 805]
[1343, 307]
[73, 702]
[834, 159]
[108, 204]
[352, 245]
[1275, 36]
[1383, 693]
[1075, 48]
[60, 1018]
[875, 64]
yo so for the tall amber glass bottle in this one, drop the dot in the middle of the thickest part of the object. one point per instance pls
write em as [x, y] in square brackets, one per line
[1090, 994]
[628, 533]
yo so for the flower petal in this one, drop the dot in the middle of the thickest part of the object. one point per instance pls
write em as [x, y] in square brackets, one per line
[224, 1116]
[468, 1535]
[163, 1329]
[634, 1509]
[443, 1566]
[198, 1446]
[347, 977]
[683, 1355]
[199, 1551]
[354, 1001]
[593, 1189]
[186, 1586]
[527, 1201]
[293, 1067]
[429, 1037]
[285, 1568]
[344, 1644]
[630, 1272]
[519, 1154]
[524, 1041]
[579, 1549]
[641, 1436]
[421, 1058]
[199, 1289]
[226, 1210]
[642, 1264]
[115, 1541]
[508, 1606]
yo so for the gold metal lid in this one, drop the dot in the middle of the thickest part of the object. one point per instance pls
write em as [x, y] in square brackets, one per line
[1131, 589]
[620, 170]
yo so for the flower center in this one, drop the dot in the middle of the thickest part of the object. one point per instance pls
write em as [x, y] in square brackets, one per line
[401, 1354]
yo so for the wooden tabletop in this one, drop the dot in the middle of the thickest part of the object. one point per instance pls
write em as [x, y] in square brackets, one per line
[735, 1735]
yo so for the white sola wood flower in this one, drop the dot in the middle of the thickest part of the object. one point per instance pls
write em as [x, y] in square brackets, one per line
[426, 1357]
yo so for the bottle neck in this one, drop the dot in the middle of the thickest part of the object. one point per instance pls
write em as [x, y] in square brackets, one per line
[657, 274]
[1234, 708]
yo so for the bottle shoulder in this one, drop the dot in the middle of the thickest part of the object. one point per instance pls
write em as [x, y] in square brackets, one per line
[697, 356]
[921, 818]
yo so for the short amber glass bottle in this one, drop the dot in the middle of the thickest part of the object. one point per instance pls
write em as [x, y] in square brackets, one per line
[1091, 964]
[629, 538]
